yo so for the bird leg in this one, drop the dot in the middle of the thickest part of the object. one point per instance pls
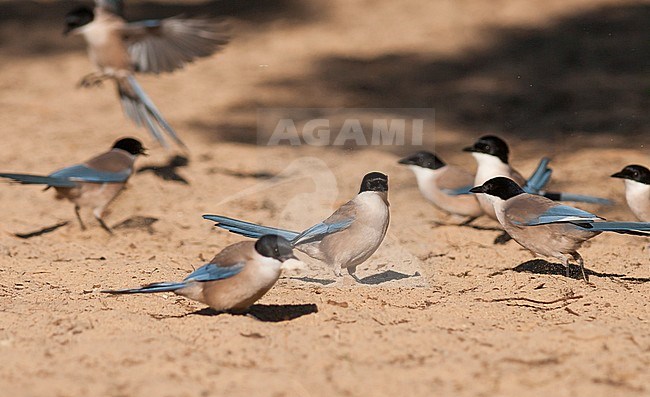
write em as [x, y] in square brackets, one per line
[81, 223]
[581, 262]
[98, 216]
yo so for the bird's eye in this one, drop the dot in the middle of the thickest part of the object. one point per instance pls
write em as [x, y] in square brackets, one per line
[487, 147]
[635, 173]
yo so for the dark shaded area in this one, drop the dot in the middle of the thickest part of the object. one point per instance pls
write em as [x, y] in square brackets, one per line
[137, 222]
[35, 28]
[269, 313]
[168, 172]
[384, 277]
[242, 174]
[540, 266]
[41, 232]
[320, 281]
[583, 76]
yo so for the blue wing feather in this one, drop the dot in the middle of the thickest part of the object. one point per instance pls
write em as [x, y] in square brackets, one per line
[562, 213]
[213, 272]
[320, 230]
[82, 173]
[458, 191]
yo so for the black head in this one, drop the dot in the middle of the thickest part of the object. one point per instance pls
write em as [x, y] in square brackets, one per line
[130, 145]
[276, 247]
[634, 172]
[492, 145]
[374, 182]
[501, 187]
[77, 18]
[423, 159]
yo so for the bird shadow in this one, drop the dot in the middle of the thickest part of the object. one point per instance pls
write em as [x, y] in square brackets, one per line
[384, 277]
[320, 281]
[168, 171]
[268, 313]
[540, 266]
[42, 231]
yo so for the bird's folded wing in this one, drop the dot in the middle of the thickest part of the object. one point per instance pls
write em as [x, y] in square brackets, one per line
[320, 230]
[165, 45]
[82, 173]
[455, 180]
[458, 191]
[555, 214]
[214, 271]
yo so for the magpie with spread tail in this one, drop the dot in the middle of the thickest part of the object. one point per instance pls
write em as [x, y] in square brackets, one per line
[546, 227]
[118, 49]
[93, 183]
[344, 240]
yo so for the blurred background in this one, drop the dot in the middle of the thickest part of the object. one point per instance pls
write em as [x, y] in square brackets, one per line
[566, 73]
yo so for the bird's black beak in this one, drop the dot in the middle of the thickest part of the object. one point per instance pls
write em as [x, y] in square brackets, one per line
[477, 189]
[620, 174]
[471, 149]
[407, 161]
[67, 30]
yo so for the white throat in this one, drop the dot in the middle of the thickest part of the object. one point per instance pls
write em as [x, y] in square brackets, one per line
[489, 167]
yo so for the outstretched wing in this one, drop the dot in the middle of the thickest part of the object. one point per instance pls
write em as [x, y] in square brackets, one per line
[157, 46]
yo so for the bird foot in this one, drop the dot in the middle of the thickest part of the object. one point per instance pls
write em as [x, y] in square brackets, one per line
[91, 80]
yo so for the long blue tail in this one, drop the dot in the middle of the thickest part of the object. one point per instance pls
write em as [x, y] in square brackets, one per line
[144, 112]
[27, 179]
[635, 228]
[147, 289]
[578, 198]
[248, 229]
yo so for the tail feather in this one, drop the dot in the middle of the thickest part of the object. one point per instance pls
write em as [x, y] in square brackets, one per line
[147, 289]
[27, 179]
[248, 229]
[635, 228]
[540, 177]
[140, 108]
[578, 198]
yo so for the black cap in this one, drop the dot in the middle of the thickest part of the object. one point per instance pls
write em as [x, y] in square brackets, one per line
[274, 246]
[492, 145]
[130, 145]
[77, 18]
[423, 159]
[374, 182]
[634, 172]
[501, 187]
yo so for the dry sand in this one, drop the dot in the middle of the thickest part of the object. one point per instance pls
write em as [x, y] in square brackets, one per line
[562, 78]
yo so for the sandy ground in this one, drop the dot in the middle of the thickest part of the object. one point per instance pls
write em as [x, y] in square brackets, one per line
[437, 314]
